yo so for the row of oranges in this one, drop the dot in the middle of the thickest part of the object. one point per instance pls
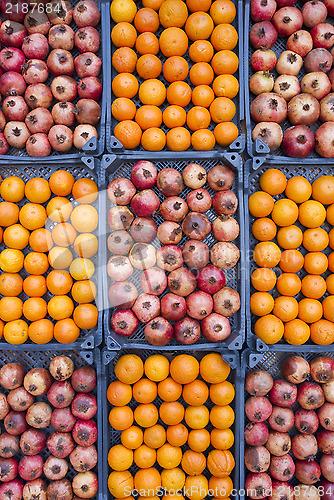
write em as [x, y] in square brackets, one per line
[138, 61]
[37, 261]
[296, 248]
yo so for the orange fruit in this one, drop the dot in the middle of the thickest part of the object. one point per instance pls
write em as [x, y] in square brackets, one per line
[222, 394]
[147, 481]
[147, 43]
[60, 307]
[66, 331]
[199, 440]
[132, 437]
[171, 413]
[312, 214]
[59, 282]
[59, 209]
[201, 73]
[273, 181]
[222, 439]
[173, 13]
[153, 4]
[330, 284]
[285, 308]
[175, 69]
[32, 216]
[153, 92]
[203, 140]
[198, 5]
[260, 204]
[60, 258]
[202, 95]
[41, 331]
[35, 308]
[145, 391]
[315, 263]
[224, 37]
[169, 456]
[331, 238]
[330, 214]
[193, 463]
[290, 237]
[285, 212]
[223, 486]
[146, 19]
[119, 483]
[169, 390]
[263, 279]
[63, 234]
[124, 60]
[328, 308]
[179, 93]
[128, 133]
[313, 286]
[153, 139]
[269, 329]
[11, 284]
[198, 117]
[10, 308]
[178, 139]
[148, 66]
[195, 393]
[174, 116]
[298, 189]
[196, 417]
[199, 26]
[129, 368]
[226, 86]
[9, 213]
[120, 458]
[173, 42]
[222, 11]
[225, 133]
[81, 269]
[177, 434]
[323, 189]
[61, 182]
[123, 34]
[12, 189]
[225, 62]
[84, 218]
[85, 190]
[184, 368]
[121, 417]
[220, 463]
[261, 303]
[322, 332]
[264, 229]
[144, 457]
[119, 394]
[40, 240]
[213, 368]
[15, 332]
[288, 284]
[2, 324]
[197, 487]
[201, 51]
[266, 254]
[123, 108]
[309, 310]
[291, 261]
[125, 85]
[222, 417]
[156, 367]
[85, 316]
[85, 244]
[155, 436]
[16, 236]
[36, 263]
[11, 260]
[172, 479]
[315, 240]
[331, 262]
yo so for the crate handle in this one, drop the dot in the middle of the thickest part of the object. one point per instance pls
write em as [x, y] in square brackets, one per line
[115, 143]
[90, 146]
[254, 359]
[108, 356]
[88, 343]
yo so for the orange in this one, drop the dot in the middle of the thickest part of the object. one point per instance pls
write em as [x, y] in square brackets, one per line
[171, 413]
[169, 390]
[85, 245]
[285, 212]
[147, 43]
[328, 308]
[312, 214]
[264, 229]
[202, 96]
[59, 209]
[153, 4]
[84, 218]
[174, 116]
[330, 214]
[267, 254]
[60, 307]
[41, 331]
[331, 262]
[145, 391]
[225, 62]
[178, 139]
[40, 240]
[119, 394]
[123, 35]
[261, 303]
[173, 42]
[199, 26]
[315, 240]
[16, 236]
[66, 331]
[120, 458]
[63, 234]
[10, 308]
[285, 308]
[128, 133]
[149, 66]
[273, 181]
[298, 189]
[120, 483]
[175, 69]
[83, 291]
[60, 257]
[323, 189]
[198, 117]
[61, 182]
[201, 73]
[129, 368]
[146, 19]
[291, 261]
[224, 37]
[32, 216]
[11, 284]
[172, 479]
[331, 238]
[155, 436]
[85, 190]
[201, 51]
[225, 86]
[330, 284]
[124, 60]
[260, 204]
[36, 263]
[179, 93]
[222, 109]
[290, 237]
[2, 324]
[12, 189]
[59, 282]
[197, 417]
[147, 481]
[222, 439]
[123, 11]
[125, 85]
[288, 284]
[322, 332]
[152, 91]
[85, 316]
[120, 417]
[144, 457]
[177, 434]
[132, 437]
[196, 393]
[11, 260]
[263, 279]
[269, 329]
[193, 463]
[309, 310]
[173, 13]
[156, 367]
[169, 456]
[203, 140]
[81, 269]
[123, 108]
[220, 463]
[184, 368]
[197, 487]
[315, 263]
[222, 11]
[9, 213]
[198, 5]
[199, 440]
[223, 486]
[222, 393]
[313, 286]
[35, 308]
[222, 417]
[153, 139]
[225, 133]
[16, 332]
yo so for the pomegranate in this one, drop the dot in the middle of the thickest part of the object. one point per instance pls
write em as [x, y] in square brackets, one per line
[289, 63]
[170, 182]
[199, 304]
[61, 12]
[38, 96]
[325, 414]
[86, 13]
[16, 134]
[63, 113]
[39, 120]
[257, 458]
[283, 393]
[256, 434]
[323, 35]
[224, 255]
[12, 33]
[317, 84]
[174, 208]
[310, 395]
[15, 423]
[144, 174]
[220, 178]
[327, 108]
[270, 133]
[196, 226]
[11, 59]
[145, 203]
[84, 379]
[199, 200]
[295, 369]
[2, 121]
[318, 60]
[258, 409]
[119, 268]
[37, 381]
[324, 140]
[3, 144]
[85, 484]
[60, 444]
[61, 489]
[215, 327]
[90, 88]
[87, 39]
[60, 62]
[85, 432]
[32, 442]
[124, 322]
[196, 254]
[15, 108]
[282, 468]
[282, 491]
[226, 302]
[263, 35]
[31, 468]
[146, 307]
[298, 141]
[211, 279]
[264, 59]
[64, 88]
[326, 442]
[55, 468]
[258, 485]
[262, 10]
[12, 490]
[38, 145]
[260, 82]
[322, 369]
[120, 218]
[169, 257]
[153, 281]
[87, 64]
[9, 445]
[181, 281]
[225, 228]
[39, 415]
[82, 134]
[12, 83]
[194, 176]
[187, 331]
[173, 307]
[330, 7]
[35, 46]
[158, 331]
[258, 383]
[169, 233]
[4, 406]
[119, 242]
[314, 12]
[327, 467]
[301, 41]
[308, 472]
[83, 459]
[84, 406]
[304, 446]
[19, 399]
[143, 256]
[61, 138]
[281, 419]
[61, 394]
[62, 420]
[121, 191]
[8, 469]
[61, 36]
[122, 295]
[37, 22]
[306, 421]
[14, 10]
[278, 443]
[88, 111]
[287, 20]
[35, 490]
[268, 107]
[328, 391]
[35, 71]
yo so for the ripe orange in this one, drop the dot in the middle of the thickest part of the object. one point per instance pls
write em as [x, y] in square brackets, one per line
[224, 37]
[63, 234]
[285, 212]
[309, 310]
[225, 133]
[313, 286]
[214, 369]
[12, 189]
[199, 26]
[148, 116]
[223, 486]
[145, 391]
[120, 482]
[261, 303]
[195, 393]
[331, 262]
[85, 316]
[175, 69]
[269, 329]
[169, 390]
[171, 413]
[225, 62]
[323, 189]
[119, 394]
[147, 43]
[147, 481]
[222, 11]
[11, 260]
[35, 308]
[201, 73]
[121, 417]
[125, 85]
[153, 139]
[222, 439]
[222, 394]
[40, 240]
[291, 261]
[263, 279]
[178, 139]
[60, 307]
[264, 229]
[330, 284]
[330, 214]
[120, 458]
[220, 463]
[173, 13]
[273, 181]
[298, 189]
[129, 368]
[174, 116]
[41, 331]
[184, 368]
[315, 240]
[179, 93]
[156, 367]
[222, 417]
[152, 91]
[177, 434]
[331, 238]
[173, 42]
[124, 60]
[198, 117]
[132, 437]
[60, 258]
[66, 331]
[172, 479]
[199, 440]
[146, 20]
[128, 133]
[197, 487]
[225, 86]
[267, 254]
[315, 263]
[260, 204]
[203, 140]
[201, 51]
[328, 308]
[9, 213]
[61, 182]
[169, 456]
[10, 308]
[153, 4]
[322, 332]
[193, 463]
[123, 35]
[202, 95]
[196, 417]
[16, 236]
[285, 308]
[288, 284]
[11, 284]
[59, 282]
[148, 66]
[85, 244]
[85, 190]
[36, 263]
[312, 214]
[123, 108]
[144, 457]
[155, 436]
[32, 216]
[290, 237]
[59, 209]
[198, 5]
[15, 332]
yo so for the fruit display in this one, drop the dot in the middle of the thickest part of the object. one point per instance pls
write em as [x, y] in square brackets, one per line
[289, 428]
[173, 252]
[48, 443]
[292, 81]
[172, 422]
[292, 272]
[48, 254]
[50, 83]
[175, 74]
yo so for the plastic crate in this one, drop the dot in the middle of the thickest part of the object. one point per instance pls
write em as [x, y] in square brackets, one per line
[238, 146]
[94, 147]
[111, 168]
[31, 356]
[79, 168]
[258, 147]
[113, 437]
[253, 172]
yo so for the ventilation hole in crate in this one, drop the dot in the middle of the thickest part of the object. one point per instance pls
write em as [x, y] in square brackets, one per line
[237, 144]
[233, 157]
[258, 161]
